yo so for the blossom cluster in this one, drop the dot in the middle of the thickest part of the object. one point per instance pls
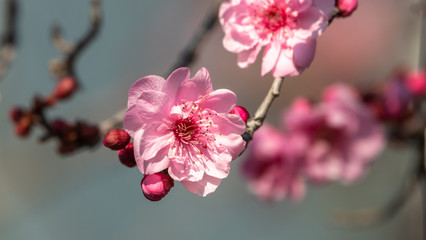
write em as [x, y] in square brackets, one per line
[333, 140]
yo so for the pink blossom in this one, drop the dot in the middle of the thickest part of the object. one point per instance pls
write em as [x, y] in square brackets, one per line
[286, 28]
[274, 165]
[181, 124]
[342, 134]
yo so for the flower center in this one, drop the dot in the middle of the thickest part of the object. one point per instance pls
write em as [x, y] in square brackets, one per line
[194, 126]
[185, 130]
[273, 18]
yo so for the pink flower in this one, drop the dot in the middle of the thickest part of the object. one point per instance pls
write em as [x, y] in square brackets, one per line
[182, 125]
[274, 165]
[286, 28]
[342, 135]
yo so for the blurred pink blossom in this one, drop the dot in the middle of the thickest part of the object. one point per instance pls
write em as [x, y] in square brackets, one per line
[286, 28]
[274, 165]
[181, 124]
[395, 98]
[342, 135]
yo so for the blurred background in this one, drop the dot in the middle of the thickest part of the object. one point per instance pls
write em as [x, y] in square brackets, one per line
[90, 195]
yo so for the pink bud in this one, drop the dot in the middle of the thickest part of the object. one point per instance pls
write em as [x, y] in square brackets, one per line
[127, 156]
[242, 112]
[416, 82]
[156, 186]
[116, 139]
[346, 7]
[65, 88]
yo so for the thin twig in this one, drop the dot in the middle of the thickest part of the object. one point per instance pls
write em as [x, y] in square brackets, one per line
[95, 21]
[59, 41]
[260, 115]
[8, 38]
[65, 67]
[186, 58]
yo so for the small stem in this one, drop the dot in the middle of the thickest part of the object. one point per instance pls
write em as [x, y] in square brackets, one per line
[260, 115]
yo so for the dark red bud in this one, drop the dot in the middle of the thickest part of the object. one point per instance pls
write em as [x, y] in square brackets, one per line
[65, 88]
[16, 113]
[127, 156]
[116, 139]
[23, 126]
[89, 134]
[60, 127]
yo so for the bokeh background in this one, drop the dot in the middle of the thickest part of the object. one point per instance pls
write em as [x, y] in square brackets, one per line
[90, 195]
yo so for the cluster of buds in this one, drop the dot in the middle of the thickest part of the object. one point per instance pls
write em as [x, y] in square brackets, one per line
[399, 102]
[157, 185]
[71, 136]
[154, 186]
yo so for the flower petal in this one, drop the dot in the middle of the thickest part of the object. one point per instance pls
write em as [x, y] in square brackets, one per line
[247, 57]
[196, 87]
[174, 82]
[156, 136]
[304, 52]
[221, 101]
[203, 187]
[311, 24]
[326, 6]
[151, 82]
[285, 65]
[183, 169]
[270, 56]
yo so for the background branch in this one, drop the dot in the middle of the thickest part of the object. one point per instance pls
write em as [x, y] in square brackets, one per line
[8, 38]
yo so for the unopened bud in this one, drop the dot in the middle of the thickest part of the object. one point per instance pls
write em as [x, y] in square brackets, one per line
[242, 112]
[116, 139]
[23, 126]
[65, 88]
[15, 114]
[60, 127]
[88, 134]
[156, 186]
[346, 7]
[416, 82]
[127, 156]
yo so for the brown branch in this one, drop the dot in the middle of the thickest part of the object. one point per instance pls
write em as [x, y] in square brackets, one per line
[260, 115]
[65, 66]
[8, 38]
[59, 41]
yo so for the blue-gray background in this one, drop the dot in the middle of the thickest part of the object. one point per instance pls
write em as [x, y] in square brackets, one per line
[90, 195]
